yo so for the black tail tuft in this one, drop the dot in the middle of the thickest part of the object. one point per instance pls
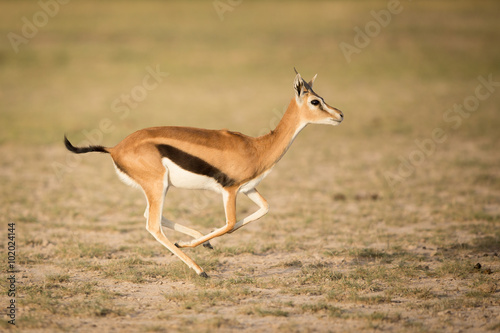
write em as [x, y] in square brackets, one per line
[81, 150]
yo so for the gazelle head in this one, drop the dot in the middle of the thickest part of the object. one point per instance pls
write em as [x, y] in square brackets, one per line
[312, 107]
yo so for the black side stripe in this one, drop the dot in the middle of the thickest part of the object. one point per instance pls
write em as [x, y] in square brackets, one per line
[194, 164]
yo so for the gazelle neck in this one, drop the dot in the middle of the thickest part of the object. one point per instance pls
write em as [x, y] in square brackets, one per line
[275, 144]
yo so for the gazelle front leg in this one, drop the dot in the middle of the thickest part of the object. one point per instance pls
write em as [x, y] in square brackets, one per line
[229, 198]
[255, 196]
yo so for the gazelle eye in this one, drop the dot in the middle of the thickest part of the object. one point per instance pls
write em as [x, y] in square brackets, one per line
[315, 102]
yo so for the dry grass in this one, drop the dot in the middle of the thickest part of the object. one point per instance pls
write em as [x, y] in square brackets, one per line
[340, 250]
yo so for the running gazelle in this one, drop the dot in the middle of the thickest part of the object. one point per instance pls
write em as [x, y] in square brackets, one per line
[226, 162]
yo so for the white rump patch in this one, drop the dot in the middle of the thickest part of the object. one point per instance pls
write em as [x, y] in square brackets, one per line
[125, 178]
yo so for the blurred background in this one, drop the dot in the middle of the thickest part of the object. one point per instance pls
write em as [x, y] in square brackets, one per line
[99, 70]
[408, 184]
[230, 64]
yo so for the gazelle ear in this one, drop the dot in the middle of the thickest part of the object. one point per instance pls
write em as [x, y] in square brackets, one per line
[298, 85]
[312, 81]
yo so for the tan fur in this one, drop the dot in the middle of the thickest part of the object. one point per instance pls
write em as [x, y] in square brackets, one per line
[240, 157]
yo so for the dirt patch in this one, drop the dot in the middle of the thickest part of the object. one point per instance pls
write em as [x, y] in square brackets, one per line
[372, 227]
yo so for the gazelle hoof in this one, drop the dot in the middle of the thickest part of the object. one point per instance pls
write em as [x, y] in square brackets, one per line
[208, 245]
[182, 244]
[204, 275]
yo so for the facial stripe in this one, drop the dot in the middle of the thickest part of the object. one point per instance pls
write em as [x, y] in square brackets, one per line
[194, 164]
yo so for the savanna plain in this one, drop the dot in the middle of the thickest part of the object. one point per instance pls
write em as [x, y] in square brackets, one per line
[388, 222]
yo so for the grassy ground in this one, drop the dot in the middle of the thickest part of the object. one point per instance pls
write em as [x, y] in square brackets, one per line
[375, 225]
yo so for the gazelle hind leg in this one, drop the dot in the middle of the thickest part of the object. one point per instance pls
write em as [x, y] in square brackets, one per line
[179, 227]
[185, 230]
[155, 197]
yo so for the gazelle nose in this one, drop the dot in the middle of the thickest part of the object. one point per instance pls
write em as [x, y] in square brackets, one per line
[341, 114]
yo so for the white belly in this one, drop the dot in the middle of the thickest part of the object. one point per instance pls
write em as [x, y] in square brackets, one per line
[182, 178]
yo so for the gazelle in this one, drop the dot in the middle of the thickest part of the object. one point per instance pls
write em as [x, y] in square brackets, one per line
[226, 162]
